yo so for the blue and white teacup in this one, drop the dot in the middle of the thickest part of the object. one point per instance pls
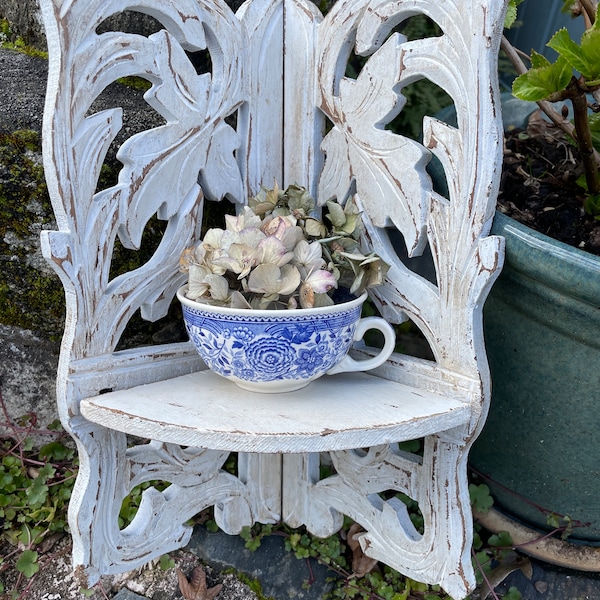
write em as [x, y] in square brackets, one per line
[281, 350]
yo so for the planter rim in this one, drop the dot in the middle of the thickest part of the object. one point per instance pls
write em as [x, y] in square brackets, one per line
[290, 313]
[569, 269]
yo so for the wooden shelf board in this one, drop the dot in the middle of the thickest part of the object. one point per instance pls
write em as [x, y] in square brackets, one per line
[337, 412]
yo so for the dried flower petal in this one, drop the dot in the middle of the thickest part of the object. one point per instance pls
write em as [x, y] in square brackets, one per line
[270, 279]
[197, 286]
[218, 287]
[273, 251]
[308, 257]
[238, 300]
[245, 220]
[321, 281]
[240, 259]
[213, 240]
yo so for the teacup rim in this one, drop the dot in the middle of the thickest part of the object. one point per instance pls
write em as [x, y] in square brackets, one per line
[293, 312]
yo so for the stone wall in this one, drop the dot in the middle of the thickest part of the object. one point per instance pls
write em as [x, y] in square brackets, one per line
[31, 296]
[25, 21]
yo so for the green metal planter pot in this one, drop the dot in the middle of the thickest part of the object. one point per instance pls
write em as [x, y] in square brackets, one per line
[541, 443]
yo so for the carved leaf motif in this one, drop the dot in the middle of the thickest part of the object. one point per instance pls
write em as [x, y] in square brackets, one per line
[160, 166]
[380, 163]
[217, 181]
[161, 178]
[90, 144]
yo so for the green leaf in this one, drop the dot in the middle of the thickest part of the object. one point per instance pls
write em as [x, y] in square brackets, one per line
[30, 535]
[481, 500]
[87, 592]
[567, 5]
[37, 493]
[501, 539]
[6, 480]
[539, 61]
[592, 206]
[581, 181]
[590, 48]
[27, 563]
[56, 425]
[46, 472]
[166, 562]
[512, 594]
[211, 526]
[553, 520]
[54, 451]
[336, 214]
[584, 58]
[511, 13]
[540, 83]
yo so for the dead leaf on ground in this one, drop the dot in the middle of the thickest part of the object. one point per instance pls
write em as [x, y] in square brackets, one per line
[361, 563]
[196, 589]
[511, 562]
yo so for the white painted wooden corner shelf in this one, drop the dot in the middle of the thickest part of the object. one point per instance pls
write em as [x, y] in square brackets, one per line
[275, 102]
[333, 413]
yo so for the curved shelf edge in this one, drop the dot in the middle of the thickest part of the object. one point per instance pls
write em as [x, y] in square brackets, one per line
[337, 412]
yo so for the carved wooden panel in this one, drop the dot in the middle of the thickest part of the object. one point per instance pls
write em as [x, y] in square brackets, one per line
[277, 103]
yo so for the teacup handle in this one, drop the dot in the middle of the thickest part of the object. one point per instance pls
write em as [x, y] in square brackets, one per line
[363, 325]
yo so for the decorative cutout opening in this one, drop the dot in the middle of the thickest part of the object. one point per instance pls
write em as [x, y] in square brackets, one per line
[408, 510]
[422, 98]
[413, 28]
[419, 27]
[214, 214]
[125, 259]
[130, 21]
[422, 265]
[170, 329]
[409, 338]
[411, 341]
[355, 64]
[201, 61]
[326, 468]
[140, 332]
[418, 99]
[132, 502]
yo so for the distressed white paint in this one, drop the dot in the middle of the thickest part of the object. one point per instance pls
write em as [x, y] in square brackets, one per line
[279, 66]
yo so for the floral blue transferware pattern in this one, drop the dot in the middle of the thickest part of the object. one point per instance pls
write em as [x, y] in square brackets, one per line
[270, 348]
[279, 350]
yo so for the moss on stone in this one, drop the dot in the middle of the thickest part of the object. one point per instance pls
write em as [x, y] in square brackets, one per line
[11, 41]
[31, 295]
[254, 585]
